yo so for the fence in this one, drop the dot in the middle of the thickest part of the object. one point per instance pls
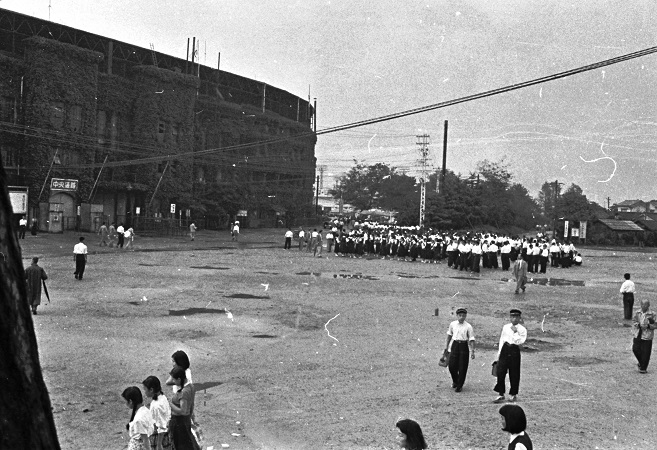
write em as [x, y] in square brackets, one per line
[161, 226]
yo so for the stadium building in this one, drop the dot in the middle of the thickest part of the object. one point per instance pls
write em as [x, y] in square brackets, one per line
[93, 129]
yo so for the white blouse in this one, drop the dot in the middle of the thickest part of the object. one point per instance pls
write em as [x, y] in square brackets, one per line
[161, 412]
[141, 424]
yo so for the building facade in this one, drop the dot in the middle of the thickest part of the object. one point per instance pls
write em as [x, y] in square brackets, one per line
[95, 130]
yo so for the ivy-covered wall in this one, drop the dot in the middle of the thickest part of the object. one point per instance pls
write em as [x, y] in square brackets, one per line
[85, 116]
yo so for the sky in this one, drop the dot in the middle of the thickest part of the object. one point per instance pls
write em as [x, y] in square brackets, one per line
[369, 58]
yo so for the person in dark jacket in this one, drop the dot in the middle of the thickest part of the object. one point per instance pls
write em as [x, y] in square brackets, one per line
[34, 276]
[514, 422]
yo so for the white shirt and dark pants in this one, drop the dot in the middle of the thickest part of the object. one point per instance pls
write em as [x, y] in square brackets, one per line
[459, 358]
[80, 252]
[509, 358]
[628, 289]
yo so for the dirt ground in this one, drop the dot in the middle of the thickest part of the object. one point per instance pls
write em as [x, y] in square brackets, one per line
[328, 352]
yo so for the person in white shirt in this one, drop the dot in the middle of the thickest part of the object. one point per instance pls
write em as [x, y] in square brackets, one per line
[302, 240]
[192, 230]
[161, 413]
[329, 241]
[141, 421]
[628, 290]
[508, 356]
[80, 258]
[461, 345]
[120, 232]
[288, 239]
[236, 231]
[22, 226]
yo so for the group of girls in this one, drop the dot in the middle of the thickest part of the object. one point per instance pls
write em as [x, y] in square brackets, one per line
[164, 424]
[513, 420]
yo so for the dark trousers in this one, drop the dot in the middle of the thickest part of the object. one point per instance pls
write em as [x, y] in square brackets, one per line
[543, 261]
[628, 304]
[288, 243]
[459, 359]
[21, 232]
[492, 260]
[476, 260]
[641, 349]
[535, 261]
[555, 259]
[509, 362]
[80, 263]
[121, 240]
[506, 263]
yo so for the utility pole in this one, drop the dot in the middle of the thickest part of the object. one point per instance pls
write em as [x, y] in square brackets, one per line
[317, 196]
[556, 199]
[440, 186]
[423, 142]
[608, 203]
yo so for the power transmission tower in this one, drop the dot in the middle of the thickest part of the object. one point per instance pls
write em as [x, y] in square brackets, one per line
[423, 142]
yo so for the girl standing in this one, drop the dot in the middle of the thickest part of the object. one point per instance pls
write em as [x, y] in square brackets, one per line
[161, 413]
[182, 408]
[141, 421]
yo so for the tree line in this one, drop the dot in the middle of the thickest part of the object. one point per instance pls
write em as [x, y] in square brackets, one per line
[485, 198]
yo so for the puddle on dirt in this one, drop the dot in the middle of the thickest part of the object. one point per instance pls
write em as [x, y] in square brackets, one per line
[465, 278]
[309, 273]
[150, 265]
[556, 282]
[191, 311]
[135, 303]
[358, 276]
[207, 385]
[408, 275]
[264, 336]
[268, 273]
[247, 296]
[209, 267]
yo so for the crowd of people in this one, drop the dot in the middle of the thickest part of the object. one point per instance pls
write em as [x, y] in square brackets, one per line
[114, 236]
[466, 251]
[165, 423]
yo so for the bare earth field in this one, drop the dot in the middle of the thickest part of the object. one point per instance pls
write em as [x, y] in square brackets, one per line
[275, 376]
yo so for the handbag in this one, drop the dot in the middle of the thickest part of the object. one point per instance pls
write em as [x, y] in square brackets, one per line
[444, 359]
[494, 369]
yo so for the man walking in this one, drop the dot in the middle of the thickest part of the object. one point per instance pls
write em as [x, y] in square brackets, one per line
[288, 239]
[302, 240]
[120, 231]
[80, 257]
[508, 356]
[460, 337]
[34, 276]
[22, 226]
[644, 326]
[520, 273]
[192, 230]
[627, 290]
[104, 235]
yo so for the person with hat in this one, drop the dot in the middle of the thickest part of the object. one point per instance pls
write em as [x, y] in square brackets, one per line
[644, 324]
[461, 345]
[508, 356]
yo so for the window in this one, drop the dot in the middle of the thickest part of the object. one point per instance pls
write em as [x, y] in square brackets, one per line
[75, 118]
[161, 127]
[101, 123]
[174, 133]
[9, 156]
[57, 114]
[7, 109]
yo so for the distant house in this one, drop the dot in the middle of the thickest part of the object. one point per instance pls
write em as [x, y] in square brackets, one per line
[633, 206]
[615, 232]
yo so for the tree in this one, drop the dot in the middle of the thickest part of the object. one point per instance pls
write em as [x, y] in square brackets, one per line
[375, 186]
[26, 417]
[574, 205]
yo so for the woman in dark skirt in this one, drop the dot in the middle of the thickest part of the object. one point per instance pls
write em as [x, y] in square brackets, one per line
[182, 409]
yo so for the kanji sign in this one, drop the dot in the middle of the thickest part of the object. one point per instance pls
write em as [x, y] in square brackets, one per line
[61, 184]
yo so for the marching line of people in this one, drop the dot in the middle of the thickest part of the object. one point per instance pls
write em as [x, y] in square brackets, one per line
[465, 251]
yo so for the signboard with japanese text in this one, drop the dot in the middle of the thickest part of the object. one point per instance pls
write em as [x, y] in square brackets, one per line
[61, 184]
[582, 229]
[18, 200]
[565, 228]
[574, 232]
[173, 208]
